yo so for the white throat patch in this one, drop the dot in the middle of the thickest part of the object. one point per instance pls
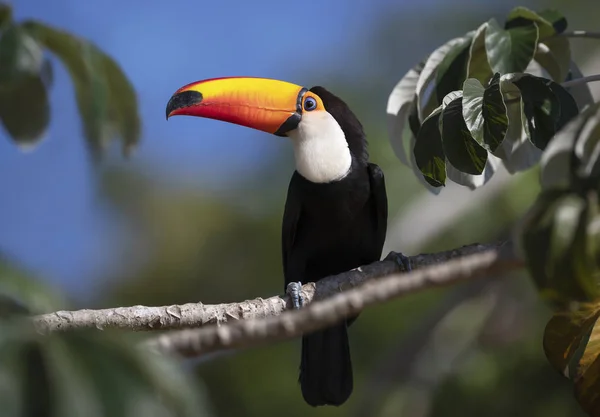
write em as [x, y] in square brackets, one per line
[320, 148]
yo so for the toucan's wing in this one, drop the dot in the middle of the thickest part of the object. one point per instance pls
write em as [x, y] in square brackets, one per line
[291, 219]
[379, 204]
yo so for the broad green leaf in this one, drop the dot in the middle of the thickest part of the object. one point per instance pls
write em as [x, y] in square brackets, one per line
[572, 159]
[90, 373]
[414, 127]
[450, 97]
[429, 72]
[478, 66]
[516, 151]
[452, 71]
[428, 151]
[79, 373]
[554, 240]
[25, 111]
[5, 15]
[462, 151]
[568, 106]
[485, 113]
[558, 162]
[558, 20]
[106, 99]
[564, 335]
[495, 117]
[588, 259]
[545, 111]
[572, 345]
[414, 123]
[20, 56]
[510, 50]
[550, 22]
[554, 55]
[474, 181]
[398, 109]
[472, 105]
[587, 387]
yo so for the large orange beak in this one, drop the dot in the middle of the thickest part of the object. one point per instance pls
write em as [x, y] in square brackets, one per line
[260, 103]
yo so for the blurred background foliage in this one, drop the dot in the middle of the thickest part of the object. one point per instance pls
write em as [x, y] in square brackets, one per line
[471, 350]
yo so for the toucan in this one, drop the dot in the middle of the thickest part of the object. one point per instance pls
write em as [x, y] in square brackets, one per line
[335, 215]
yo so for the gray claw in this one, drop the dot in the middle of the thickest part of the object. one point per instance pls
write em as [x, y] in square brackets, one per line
[294, 290]
[400, 259]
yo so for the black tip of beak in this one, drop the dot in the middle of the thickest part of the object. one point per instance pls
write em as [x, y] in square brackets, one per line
[182, 100]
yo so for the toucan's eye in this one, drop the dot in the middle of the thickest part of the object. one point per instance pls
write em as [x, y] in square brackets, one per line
[310, 104]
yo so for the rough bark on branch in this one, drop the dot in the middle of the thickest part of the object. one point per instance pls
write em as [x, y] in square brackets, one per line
[198, 314]
[488, 261]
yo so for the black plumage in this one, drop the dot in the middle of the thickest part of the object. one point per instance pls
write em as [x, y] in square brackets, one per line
[330, 228]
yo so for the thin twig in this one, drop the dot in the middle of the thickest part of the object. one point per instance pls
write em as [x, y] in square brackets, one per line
[581, 34]
[198, 314]
[247, 333]
[582, 80]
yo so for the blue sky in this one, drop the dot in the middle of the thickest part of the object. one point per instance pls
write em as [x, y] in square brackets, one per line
[49, 215]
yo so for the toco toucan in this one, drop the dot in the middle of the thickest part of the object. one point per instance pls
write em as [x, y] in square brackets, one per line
[335, 216]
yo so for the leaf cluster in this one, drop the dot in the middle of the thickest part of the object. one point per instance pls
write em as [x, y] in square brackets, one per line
[106, 99]
[490, 97]
[80, 373]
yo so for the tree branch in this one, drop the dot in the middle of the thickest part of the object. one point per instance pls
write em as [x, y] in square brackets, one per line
[482, 261]
[198, 314]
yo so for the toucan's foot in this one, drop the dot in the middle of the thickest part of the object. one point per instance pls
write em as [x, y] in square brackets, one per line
[400, 259]
[294, 290]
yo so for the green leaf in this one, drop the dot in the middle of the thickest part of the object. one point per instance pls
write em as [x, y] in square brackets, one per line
[452, 71]
[495, 117]
[428, 151]
[474, 181]
[566, 333]
[546, 105]
[567, 106]
[549, 22]
[462, 151]
[587, 387]
[510, 50]
[472, 105]
[414, 127]
[5, 15]
[554, 55]
[554, 240]
[572, 346]
[107, 101]
[79, 373]
[572, 159]
[536, 239]
[558, 20]
[25, 111]
[398, 108]
[516, 151]
[429, 72]
[485, 113]
[90, 373]
[20, 56]
[478, 66]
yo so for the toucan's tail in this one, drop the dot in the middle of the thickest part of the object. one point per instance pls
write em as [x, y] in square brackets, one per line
[326, 368]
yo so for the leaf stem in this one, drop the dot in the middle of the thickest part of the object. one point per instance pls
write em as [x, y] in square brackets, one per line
[582, 80]
[581, 34]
